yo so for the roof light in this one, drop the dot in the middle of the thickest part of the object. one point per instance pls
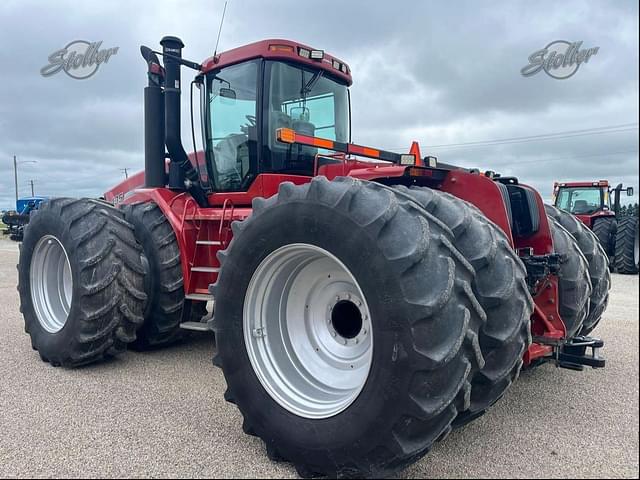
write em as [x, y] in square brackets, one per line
[280, 48]
[336, 65]
[408, 159]
[303, 52]
[431, 161]
[317, 54]
[343, 67]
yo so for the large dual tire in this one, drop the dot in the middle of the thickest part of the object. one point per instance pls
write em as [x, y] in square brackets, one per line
[605, 229]
[80, 280]
[627, 253]
[163, 282]
[398, 263]
[499, 285]
[574, 283]
[598, 262]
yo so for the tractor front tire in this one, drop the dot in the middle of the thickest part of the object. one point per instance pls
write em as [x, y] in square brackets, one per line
[80, 281]
[499, 285]
[627, 254]
[347, 339]
[605, 229]
[163, 281]
[574, 284]
[598, 262]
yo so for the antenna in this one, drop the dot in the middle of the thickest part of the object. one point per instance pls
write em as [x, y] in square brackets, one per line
[220, 29]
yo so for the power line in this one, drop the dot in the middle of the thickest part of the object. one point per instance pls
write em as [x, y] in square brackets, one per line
[626, 127]
[542, 139]
[604, 155]
[585, 131]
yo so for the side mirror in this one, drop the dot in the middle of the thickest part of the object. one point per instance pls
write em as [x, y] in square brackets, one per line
[629, 191]
[227, 93]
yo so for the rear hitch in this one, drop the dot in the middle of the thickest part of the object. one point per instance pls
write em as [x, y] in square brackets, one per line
[573, 354]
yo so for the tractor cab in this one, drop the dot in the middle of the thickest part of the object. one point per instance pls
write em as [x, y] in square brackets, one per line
[249, 94]
[587, 199]
[582, 198]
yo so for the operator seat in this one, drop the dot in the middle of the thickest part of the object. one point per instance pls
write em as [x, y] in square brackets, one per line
[306, 153]
[581, 206]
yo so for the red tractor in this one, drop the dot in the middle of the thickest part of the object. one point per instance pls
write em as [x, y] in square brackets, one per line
[591, 203]
[365, 302]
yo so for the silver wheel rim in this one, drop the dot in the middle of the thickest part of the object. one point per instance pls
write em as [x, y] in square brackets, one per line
[51, 283]
[307, 329]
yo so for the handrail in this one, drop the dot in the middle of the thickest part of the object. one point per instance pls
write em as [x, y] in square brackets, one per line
[222, 219]
[338, 155]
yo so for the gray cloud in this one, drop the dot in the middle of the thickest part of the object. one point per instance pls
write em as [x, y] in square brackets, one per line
[437, 72]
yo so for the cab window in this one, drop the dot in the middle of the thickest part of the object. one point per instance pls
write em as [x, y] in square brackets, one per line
[308, 101]
[231, 130]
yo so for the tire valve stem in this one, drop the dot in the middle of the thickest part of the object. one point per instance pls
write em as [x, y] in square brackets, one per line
[259, 332]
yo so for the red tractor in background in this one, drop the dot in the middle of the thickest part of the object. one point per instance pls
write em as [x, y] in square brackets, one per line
[365, 302]
[591, 203]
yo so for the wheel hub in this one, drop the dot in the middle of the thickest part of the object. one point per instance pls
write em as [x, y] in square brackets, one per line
[346, 320]
[307, 330]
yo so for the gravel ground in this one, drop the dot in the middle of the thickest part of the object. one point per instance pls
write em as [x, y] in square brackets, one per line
[162, 414]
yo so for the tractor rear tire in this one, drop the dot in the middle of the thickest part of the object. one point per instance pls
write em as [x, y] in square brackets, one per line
[598, 262]
[574, 284]
[605, 229]
[627, 254]
[163, 281]
[80, 281]
[501, 288]
[420, 339]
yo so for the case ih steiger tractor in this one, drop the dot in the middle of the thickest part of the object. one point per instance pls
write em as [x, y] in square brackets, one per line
[591, 203]
[365, 302]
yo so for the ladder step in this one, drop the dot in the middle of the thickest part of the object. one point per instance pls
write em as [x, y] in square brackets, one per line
[201, 297]
[205, 269]
[195, 326]
[208, 242]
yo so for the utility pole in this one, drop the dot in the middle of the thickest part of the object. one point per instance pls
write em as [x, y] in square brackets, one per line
[125, 171]
[32, 194]
[15, 173]
[15, 176]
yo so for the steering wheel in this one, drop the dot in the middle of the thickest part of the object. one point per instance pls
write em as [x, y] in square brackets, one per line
[251, 119]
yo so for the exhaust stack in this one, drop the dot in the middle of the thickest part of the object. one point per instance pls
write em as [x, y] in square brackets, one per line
[162, 122]
[154, 165]
[181, 173]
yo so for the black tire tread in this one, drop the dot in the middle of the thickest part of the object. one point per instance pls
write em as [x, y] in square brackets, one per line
[605, 230]
[501, 288]
[598, 261]
[109, 308]
[625, 244]
[163, 314]
[574, 283]
[422, 418]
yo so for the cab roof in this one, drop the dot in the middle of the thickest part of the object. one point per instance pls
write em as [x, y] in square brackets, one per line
[279, 49]
[600, 183]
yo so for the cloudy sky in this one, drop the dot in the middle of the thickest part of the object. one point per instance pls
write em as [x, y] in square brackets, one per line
[440, 72]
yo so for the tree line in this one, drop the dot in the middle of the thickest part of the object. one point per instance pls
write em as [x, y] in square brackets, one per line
[629, 210]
